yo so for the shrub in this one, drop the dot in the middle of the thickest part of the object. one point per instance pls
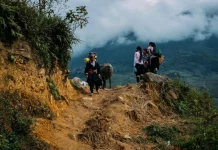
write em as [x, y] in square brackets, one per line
[53, 89]
[163, 132]
[50, 35]
[206, 137]
[191, 102]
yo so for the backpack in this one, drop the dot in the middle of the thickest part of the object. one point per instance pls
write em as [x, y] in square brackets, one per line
[157, 52]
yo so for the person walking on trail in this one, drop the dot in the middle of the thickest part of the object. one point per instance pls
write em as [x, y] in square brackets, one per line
[92, 72]
[138, 63]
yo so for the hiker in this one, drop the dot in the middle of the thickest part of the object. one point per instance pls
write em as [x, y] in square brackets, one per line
[138, 63]
[151, 47]
[145, 57]
[155, 58]
[92, 72]
[86, 60]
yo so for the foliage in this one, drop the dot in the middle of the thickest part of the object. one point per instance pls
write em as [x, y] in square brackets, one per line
[140, 140]
[50, 35]
[205, 138]
[53, 89]
[163, 132]
[15, 128]
[191, 102]
[11, 58]
[200, 129]
[9, 29]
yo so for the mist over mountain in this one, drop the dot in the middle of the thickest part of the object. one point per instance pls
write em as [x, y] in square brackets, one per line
[150, 20]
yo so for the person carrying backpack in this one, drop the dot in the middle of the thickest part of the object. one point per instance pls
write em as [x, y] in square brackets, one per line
[92, 72]
[138, 63]
[156, 57]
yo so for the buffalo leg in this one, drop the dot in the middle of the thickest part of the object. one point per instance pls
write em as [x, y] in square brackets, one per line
[104, 82]
[110, 82]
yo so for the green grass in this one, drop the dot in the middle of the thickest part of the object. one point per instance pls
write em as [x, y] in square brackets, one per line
[164, 132]
[53, 89]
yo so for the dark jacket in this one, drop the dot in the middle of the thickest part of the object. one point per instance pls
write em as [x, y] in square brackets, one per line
[92, 71]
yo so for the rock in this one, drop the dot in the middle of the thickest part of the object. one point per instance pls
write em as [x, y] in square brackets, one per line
[127, 136]
[33, 86]
[120, 98]
[173, 94]
[2, 61]
[42, 72]
[41, 86]
[79, 84]
[72, 136]
[87, 98]
[151, 77]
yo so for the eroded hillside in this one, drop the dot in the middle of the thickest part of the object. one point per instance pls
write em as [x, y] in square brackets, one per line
[26, 86]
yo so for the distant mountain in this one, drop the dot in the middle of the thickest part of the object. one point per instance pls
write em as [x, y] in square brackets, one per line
[193, 61]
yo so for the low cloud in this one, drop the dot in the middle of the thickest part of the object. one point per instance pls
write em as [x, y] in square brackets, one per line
[150, 20]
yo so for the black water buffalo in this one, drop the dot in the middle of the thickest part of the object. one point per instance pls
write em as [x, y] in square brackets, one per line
[106, 73]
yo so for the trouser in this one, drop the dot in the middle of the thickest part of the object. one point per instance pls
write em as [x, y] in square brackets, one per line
[92, 84]
[140, 70]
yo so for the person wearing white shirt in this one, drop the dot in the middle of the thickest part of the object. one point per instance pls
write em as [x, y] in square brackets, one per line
[138, 63]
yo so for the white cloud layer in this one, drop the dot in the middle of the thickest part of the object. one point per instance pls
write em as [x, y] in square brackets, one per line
[150, 20]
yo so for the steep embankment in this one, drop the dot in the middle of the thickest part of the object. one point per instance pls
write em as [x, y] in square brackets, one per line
[20, 72]
[28, 93]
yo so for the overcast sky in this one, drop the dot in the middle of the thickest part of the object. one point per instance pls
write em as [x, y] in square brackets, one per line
[150, 20]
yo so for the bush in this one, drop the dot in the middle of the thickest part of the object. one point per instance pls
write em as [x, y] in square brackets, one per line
[15, 128]
[191, 102]
[53, 89]
[206, 137]
[50, 35]
[9, 29]
[163, 132]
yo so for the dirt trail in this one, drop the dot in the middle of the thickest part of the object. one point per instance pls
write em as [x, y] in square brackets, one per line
[109, 120]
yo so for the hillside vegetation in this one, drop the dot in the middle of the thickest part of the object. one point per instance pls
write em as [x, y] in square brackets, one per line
[51, 36]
